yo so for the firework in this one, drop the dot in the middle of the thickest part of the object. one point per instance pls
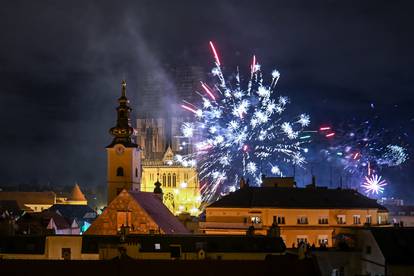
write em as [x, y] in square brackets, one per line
[242, 131]
[357, 147]
[374, 184]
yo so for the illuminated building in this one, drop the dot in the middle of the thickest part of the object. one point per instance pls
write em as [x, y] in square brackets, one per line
[313, 214]
[161, 142]
[181, 192]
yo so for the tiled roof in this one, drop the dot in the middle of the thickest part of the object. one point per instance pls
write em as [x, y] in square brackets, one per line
[76, 194]
[29, 197]
[396, 244]
[73, 211]
[313, 198]
[159, 213]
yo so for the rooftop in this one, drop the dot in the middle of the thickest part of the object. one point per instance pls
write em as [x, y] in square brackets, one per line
[396, 244]
[159, 212]
[312, 198]
[23, 198]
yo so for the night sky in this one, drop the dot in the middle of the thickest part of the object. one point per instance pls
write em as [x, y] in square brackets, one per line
[61, 64]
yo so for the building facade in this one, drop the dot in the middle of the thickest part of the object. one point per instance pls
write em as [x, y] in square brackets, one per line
[311, 215]
[180, 185]
[162, 144]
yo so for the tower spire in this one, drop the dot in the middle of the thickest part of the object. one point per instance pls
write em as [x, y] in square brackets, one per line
[123, 131]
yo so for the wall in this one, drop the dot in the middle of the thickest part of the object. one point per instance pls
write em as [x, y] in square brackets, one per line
[237, 220]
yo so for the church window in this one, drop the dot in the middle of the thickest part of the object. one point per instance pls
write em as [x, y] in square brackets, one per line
[120, 171]
[169, 180]
[174, 180]
[164, 180]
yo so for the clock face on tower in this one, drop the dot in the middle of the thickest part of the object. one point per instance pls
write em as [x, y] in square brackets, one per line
[119, 149]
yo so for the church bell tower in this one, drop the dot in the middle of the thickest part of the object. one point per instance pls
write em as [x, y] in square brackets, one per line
[123, 154]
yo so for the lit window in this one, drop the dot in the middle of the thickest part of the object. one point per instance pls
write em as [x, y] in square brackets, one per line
[164, 180]
[357, 219]
[368, 219]
[256, 220]
[302, 239]
[323, 240]
[157, 246]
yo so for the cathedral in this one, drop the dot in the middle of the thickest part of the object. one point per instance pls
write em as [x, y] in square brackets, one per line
[162, 144]
[139, 165]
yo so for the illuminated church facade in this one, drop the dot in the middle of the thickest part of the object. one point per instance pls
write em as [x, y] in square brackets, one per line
[162, 142]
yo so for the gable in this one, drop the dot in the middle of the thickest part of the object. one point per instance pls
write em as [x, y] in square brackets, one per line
[124, 207]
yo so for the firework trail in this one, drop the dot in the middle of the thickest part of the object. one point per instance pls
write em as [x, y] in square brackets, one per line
[363, 150]
[241, 130]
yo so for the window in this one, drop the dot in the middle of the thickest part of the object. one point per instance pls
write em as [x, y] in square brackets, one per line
[278, 220]
[120, 171]
[357, 219]
[379, 219]
[169, 180]
[123, 219]
[401, 213]
[66, 253]
[323, 220]
[340, 219]
[174, 180]
[164, 180]
[175, 251]
[136, 172]
[301, 239]
[157, 246]
[323, 240]
[302, 220]
[368, 219]
[256, 220]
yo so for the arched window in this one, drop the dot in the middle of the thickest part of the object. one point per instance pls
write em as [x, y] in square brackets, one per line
[174, 180]
[120, 171]
[136, 172]
[164, 180]
[169, 180]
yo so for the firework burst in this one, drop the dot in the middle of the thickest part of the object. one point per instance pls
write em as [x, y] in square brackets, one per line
[363, 148]
[374, 184]
[242, 131]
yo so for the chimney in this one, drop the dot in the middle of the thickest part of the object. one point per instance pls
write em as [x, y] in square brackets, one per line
[242, 183]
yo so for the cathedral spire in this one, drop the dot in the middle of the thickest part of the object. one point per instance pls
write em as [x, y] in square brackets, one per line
[123, 131]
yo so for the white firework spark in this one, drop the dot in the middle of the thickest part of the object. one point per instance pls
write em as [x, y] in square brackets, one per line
[374, 184]
[242, 132]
